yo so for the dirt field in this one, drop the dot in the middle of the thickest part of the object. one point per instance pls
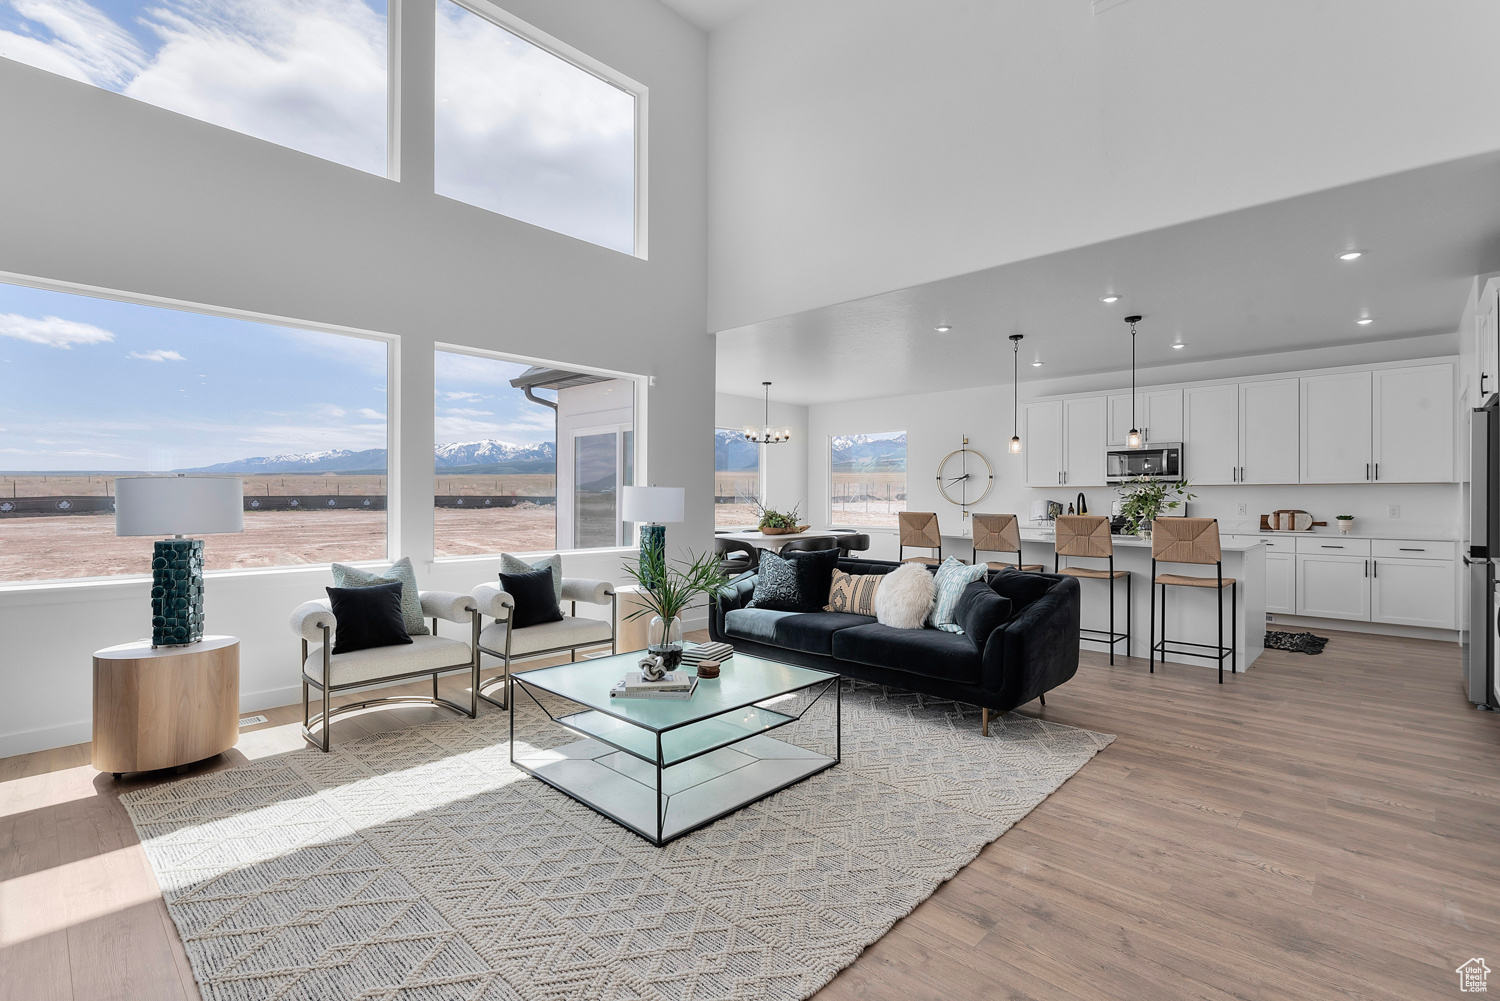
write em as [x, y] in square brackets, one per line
[84, 485]
[735, 515]
[872, 499]
[55, 548]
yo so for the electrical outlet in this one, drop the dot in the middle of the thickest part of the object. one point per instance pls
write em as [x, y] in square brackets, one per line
[1242, 509]
[1393, 511]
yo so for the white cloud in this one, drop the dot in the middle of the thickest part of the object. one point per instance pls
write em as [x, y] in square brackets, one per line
[157, 355]
[330, 410]
[85, 45]
[466, 412]
[52, 331]
[372, 415]
[456, 397]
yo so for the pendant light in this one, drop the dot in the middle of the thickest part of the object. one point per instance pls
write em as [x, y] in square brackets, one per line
[766, 434]
[1015, 375]
[1133, 439]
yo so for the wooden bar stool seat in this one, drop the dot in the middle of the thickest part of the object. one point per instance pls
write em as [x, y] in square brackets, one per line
[1192, 540]
[1086, 536]
[919, 530]
[999, 533]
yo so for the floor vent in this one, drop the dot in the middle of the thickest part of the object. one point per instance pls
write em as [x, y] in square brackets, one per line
[251, 721]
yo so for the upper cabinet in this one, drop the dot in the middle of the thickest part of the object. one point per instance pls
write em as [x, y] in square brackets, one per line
[1211, 448]
[1487, 341]
[1083, 435]
[1042, 446]
[1412, 437]
[1336, 426]
[1157, 411]
[1268, 431]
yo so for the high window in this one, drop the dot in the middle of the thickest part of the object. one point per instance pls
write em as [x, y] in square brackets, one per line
[868, 482]
[736, 479]
[531, 135]
[529, 458]
[309, 74]
[92, 389]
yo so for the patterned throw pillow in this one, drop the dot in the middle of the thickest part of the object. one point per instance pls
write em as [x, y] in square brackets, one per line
[853, 593]
[401, 570]
[514, 564]
[952, 577]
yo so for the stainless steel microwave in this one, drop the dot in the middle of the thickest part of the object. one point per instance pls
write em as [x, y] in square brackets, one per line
[1158, 461]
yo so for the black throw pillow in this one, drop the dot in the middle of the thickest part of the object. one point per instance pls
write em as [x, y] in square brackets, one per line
[799, 582]
[1021, 587]
[536, 599]
[367, 617]
[980, 612]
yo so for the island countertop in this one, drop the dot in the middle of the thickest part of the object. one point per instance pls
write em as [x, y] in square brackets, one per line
[1227, 543]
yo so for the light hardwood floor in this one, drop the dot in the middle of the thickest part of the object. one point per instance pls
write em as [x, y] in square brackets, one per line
[1323, 827]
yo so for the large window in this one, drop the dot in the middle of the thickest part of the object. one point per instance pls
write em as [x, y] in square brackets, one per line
[868, 485]
[91, 389]
[309, 74]
[529, 458]
[528, 134]
[736, 479]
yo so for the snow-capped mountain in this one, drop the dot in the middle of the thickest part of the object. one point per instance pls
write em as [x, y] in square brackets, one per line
[862, 452]
[488, 456]
[732, 452]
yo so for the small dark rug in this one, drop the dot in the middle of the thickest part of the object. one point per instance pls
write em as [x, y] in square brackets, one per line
[1295, 642]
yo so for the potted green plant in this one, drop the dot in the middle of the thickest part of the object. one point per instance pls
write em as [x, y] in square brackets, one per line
[667, 589]
[1346, 522]
[773, 522]
[1143, 499]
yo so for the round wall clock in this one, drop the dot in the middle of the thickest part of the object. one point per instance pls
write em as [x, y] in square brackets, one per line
[965, 477]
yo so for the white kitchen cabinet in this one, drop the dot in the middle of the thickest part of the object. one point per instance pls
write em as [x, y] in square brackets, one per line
[1412, 433]
[1269, 431]
[1211, 435]
[1487, 342]
[1333, 587]
[1410, 592]
[1042, 445]
[1336, 428]
[1281, 583]
[1158, 411]
[1083, 438]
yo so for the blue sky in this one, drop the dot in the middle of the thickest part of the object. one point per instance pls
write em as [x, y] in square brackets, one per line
[475, 401]
[94, 384]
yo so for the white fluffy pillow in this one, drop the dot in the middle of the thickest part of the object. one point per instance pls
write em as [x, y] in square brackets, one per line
[905, 597]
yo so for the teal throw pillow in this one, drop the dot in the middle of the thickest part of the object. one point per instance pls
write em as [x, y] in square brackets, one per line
[952, 577]
[401, 571]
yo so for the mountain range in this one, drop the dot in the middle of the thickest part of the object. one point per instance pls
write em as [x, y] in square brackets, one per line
[863, 453]
[488, 456]
[733, 453]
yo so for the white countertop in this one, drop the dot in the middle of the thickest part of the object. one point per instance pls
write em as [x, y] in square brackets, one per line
[1332, 533]
[1227, 543]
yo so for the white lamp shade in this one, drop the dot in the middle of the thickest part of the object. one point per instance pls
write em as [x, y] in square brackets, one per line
[658, 504]
[179, 505]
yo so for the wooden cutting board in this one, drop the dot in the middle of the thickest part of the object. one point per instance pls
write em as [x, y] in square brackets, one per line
[1301, 521]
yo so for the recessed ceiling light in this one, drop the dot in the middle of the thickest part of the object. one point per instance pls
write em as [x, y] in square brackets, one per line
[1036, 364]
[1109, 298]
[1351, 255]
[1365, 321]
[1178, 346]
[943, 328]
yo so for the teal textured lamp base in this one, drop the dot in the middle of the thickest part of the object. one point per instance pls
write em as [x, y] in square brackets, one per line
[177, 592]
[653, 541]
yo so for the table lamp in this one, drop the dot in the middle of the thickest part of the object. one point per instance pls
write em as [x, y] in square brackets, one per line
[178, 506]
[650, 507]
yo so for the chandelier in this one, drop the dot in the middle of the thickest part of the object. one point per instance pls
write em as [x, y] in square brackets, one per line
[766, 434]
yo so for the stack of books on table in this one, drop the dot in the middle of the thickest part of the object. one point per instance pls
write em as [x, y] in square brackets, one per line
[673, 685]
[707, 651]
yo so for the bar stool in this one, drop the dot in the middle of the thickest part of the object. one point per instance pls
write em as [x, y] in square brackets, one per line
[999, 533]
[1087, 536]
[1191, 540]
[919, 530]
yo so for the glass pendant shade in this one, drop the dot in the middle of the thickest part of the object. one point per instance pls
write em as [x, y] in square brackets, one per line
[1133, 439]
[1015, 399]
[1015, 444]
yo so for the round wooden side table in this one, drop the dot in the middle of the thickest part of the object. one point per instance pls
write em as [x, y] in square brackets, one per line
[165, 707]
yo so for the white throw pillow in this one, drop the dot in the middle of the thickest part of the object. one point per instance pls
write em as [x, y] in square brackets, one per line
[905, 597]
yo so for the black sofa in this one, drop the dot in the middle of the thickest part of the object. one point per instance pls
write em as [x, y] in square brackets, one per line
[1020, 639]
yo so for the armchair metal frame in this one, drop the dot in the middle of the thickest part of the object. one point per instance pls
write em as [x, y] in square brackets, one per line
[329, 714]
[506, 658]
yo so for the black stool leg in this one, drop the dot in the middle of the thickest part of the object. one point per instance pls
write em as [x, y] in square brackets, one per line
[1234, 632]
[1111, 620]
[1220, 651]
[1151, 631]
[1129, 616]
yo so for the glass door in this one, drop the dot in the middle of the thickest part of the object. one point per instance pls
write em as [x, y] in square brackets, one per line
[596, 473]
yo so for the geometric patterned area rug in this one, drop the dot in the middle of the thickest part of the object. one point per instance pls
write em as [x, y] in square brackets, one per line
[419, 865]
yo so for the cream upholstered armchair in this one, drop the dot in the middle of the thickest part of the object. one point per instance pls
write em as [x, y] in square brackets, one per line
[332, 672]
[569, 634]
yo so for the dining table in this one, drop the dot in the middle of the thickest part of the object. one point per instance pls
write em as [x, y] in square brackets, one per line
[774, 543]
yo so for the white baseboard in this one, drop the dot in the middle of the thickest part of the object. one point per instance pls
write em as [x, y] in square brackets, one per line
[1280, 621]
[47, 737]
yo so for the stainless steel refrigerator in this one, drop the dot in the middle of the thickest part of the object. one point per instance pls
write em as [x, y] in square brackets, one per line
[1481, 641]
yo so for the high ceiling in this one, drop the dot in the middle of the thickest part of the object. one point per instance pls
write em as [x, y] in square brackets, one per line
[710, 14]
[1251, 282]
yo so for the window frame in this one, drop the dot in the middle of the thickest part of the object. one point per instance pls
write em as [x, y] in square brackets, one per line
[524, 29]
[828, 454]
[760, 471]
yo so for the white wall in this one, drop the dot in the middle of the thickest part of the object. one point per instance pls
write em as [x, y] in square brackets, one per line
[935, 422]
[111, 193]
[784, 466]
[861, 146]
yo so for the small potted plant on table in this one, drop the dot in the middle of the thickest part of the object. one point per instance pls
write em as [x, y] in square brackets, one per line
[773, 522]
[1144, 499]
[1346, 522]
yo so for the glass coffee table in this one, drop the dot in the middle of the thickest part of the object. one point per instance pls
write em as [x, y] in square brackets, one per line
[665, 767]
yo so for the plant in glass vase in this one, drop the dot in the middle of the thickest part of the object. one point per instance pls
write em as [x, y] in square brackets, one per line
[667, 589]
[1143, 499]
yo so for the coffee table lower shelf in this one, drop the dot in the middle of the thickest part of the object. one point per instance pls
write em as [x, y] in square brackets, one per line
[690, 795]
